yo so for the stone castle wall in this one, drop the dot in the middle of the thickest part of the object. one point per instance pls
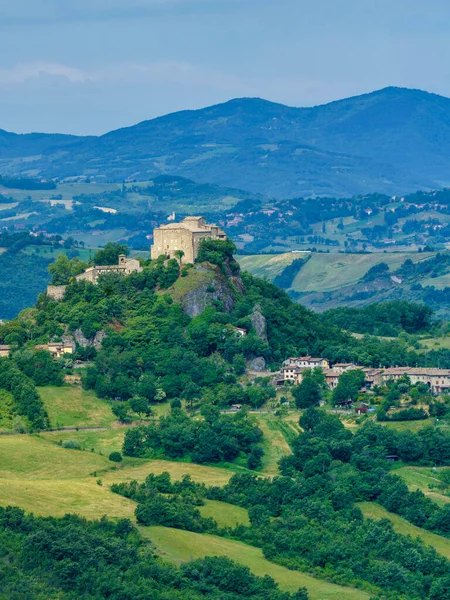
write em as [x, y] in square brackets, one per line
[168, 241]
[185, 236]
[56, 291]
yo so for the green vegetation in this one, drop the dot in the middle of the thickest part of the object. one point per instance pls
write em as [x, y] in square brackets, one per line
[217, 438]
[71, 406]
[181, 546]
[372, 510]
[225, 515]
[27, 403]
[386, 319]
[69, 558]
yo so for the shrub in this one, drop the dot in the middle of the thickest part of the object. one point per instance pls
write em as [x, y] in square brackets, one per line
[71, 444]
[115, 457]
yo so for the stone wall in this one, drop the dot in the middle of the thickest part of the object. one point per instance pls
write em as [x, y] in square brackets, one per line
[167, 241]
[56, 291]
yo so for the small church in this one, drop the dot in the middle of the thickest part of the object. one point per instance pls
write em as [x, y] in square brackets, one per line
[185, 236]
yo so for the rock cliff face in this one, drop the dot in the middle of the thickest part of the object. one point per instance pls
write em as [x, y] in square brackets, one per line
[205, 285]
[259, 324]
[82, 340]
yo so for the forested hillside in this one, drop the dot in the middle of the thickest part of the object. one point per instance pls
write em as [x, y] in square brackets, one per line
[342, 148]
[283, 490]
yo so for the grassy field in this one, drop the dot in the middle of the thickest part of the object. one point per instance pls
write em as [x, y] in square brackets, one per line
[31, 457]
[436, 343]
[325, 272]
[274, 444]
[103, 442]
[226, 515]
[42, 477]
[71, 406]
[377, 512]
[268, 265]
[53, 497]
[420, 478]
[409, 425]
[181, 546]
[200, 473]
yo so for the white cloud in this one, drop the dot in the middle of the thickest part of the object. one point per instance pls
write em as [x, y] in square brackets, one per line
[22, 72]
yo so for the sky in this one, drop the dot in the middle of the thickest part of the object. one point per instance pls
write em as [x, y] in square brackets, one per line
[89, 66]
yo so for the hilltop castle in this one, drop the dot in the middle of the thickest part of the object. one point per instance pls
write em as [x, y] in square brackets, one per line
[185, 236]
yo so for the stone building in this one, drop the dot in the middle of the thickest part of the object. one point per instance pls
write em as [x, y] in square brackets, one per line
[4, 350]
[58, 349]
[185, 236]
[124, 266]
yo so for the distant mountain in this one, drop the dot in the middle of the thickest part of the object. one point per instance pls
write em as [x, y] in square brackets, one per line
[394, 140]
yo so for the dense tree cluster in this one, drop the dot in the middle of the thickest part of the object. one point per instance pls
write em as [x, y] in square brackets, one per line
[384, 319]
[27, 402]
[215, 438]
[71, 558]
[309, 518]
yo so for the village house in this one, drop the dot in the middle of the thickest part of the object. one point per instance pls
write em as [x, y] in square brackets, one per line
[342, 367]
[58, 349]
[183, 237]
[4, 351]
[126, 266]
[394, 373]
[307, 362]
[438, 380]
[372, 377]
[332, 377]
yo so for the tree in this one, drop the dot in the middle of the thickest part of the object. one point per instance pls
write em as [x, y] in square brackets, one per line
[109, 255]
[179, 254]
[307, 394]
[140, 405]
[63, 269]
[350, 382]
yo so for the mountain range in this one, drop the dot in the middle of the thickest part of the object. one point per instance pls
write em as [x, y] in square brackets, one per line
[393, 140]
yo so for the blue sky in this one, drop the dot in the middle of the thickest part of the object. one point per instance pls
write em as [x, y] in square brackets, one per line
[89, 66]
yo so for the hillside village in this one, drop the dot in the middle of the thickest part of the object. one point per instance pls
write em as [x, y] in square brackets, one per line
[134, 369]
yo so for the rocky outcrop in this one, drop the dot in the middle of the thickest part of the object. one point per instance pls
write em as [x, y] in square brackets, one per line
[82, 340]
[257, 364]
[206, 285]
[259, 324]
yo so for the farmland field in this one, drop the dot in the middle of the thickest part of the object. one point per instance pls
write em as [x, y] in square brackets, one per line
[72, 406]
[425, 480]
[325, 272]
[226, 515]
[268, 265]
[181, 546]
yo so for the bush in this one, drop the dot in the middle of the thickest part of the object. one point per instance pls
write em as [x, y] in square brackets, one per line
[115, 457]
[71, 444]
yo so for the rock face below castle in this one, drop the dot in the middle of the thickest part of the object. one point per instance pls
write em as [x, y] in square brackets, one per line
[185, 236]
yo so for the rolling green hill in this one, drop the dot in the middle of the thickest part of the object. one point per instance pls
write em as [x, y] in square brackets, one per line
[324, 272]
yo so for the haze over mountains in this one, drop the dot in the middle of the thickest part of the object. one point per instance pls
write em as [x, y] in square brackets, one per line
[394, 140]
